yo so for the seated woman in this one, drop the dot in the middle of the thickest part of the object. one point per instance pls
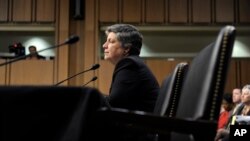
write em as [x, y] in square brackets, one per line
[134, 86]
[226, 107]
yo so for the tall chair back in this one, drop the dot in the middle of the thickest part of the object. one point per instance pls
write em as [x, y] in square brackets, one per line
[167, 101]
[203, 88]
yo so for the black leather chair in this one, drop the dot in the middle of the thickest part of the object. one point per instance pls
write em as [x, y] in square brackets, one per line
[205, 85]
[168, 98]
[200, 99]
[167, 101]
[169, 95]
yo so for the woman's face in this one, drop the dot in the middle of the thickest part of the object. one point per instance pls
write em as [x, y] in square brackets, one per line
[113, 50]
[245, 97]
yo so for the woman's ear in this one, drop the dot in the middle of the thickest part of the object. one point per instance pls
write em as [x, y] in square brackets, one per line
[126, 51]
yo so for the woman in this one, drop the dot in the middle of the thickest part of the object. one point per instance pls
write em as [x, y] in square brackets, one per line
[226, 107]
[133, 85]
[245, 99]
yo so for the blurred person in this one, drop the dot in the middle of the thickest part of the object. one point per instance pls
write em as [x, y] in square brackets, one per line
[226, 107]
[237, 106]
[34, 54]
[242, 101]
[237, 96]
[245, 99]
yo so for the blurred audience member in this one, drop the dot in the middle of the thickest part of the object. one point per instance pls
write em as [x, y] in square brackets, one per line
[237, 106]
[242, 101]
[34, 54]
[245, 99]
[226, 107]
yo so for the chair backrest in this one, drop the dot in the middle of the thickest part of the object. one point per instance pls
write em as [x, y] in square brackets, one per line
[203, 88]
[168, 98]
[169, 94]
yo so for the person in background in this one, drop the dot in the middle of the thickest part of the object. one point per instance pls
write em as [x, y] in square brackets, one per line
[245, 99]
[238, 96]
[237, 106]
[34, 54]
[133, 86]
[226, 107]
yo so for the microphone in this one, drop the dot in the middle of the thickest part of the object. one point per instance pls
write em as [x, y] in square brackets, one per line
[93, 79]
[94, 67]
[71, 40]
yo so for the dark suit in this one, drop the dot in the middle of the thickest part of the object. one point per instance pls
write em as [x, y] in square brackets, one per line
[133, 85]
[41, 57]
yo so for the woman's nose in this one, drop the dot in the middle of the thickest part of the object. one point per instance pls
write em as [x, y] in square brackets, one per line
[104, 45]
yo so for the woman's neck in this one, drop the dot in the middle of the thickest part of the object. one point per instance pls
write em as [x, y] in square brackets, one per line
[246, 110]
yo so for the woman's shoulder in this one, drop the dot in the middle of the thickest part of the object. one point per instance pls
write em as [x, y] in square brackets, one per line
[134, 61]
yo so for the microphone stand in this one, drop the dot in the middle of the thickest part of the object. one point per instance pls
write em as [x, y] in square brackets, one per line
[94, 67]
[93, 79]
[71, 77]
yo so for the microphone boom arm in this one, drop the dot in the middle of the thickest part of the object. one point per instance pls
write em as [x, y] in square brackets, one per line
[71, 77]
[94, 67]
[93, 79]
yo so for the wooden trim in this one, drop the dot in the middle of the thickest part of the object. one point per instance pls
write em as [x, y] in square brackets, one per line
[62, 33]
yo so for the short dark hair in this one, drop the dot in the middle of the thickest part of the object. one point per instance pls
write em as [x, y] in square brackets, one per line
[32, 46]
[128, 35]
[228, 97]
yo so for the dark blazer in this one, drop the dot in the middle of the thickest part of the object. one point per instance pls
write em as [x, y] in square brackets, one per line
[133, 85]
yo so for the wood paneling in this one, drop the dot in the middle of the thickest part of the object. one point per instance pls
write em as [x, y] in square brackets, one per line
[108, 10]
[225, 12]
[2, 72]
[244, 10]
[4, 10]
[22, 11]
[90, 44]
[62, 33]
[45, 10]
[135, 11]
[105, 76]
[161, 68]
[31, 72]
[132, 11]
[178, 11]
[232, 76]
[201, 11]
[155, 10]
[76, 53]
[244, 72]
